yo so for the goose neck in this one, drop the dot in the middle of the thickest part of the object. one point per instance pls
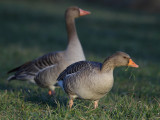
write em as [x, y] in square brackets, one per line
[71, 29]
[107, 66]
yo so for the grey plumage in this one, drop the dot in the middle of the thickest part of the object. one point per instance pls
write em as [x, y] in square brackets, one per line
[78, 70]
[45, 70]
[92, 80]
[75, 67]
[28, 70]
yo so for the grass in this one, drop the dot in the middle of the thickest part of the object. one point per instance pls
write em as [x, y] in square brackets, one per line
[28, 31]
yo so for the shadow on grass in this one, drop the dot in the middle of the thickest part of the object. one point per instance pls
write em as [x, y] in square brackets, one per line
[38, 95]
[44, 98]
[34, 94]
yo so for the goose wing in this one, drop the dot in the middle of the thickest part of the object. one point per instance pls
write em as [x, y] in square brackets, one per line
[31, 68]
[68, 80]
[73, 68]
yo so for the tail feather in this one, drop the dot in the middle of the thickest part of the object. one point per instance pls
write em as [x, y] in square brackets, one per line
[11, 78]
[21, 78]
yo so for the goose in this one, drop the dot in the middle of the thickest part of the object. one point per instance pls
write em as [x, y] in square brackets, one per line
[92, 80]
[58, 61]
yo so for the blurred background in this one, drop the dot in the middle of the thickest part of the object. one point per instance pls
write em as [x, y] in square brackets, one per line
[31, 28]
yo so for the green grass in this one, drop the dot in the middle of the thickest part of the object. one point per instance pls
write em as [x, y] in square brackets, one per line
[29, 30]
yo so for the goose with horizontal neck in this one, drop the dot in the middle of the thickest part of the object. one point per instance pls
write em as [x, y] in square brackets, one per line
[44, 70]
[92, 80]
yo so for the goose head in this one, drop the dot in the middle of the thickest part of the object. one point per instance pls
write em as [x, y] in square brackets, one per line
[122, 59]
[118, 59]
[75, 12]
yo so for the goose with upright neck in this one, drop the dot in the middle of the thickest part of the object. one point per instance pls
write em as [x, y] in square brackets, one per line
[74, 48]
[92, 80]
[44, 70]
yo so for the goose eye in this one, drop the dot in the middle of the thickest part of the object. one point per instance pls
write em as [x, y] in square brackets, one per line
[124, 57]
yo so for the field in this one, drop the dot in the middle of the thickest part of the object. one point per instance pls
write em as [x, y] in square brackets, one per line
[29, 30]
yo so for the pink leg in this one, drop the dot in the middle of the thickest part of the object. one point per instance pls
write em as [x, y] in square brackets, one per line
[96, 104]
[70, 103]
[51, 92]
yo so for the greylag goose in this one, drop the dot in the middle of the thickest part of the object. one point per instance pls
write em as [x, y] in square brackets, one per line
[92, 80]
[57, 61]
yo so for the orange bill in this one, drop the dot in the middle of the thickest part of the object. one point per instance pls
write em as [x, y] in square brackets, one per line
[132, 64]
[83, 12]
